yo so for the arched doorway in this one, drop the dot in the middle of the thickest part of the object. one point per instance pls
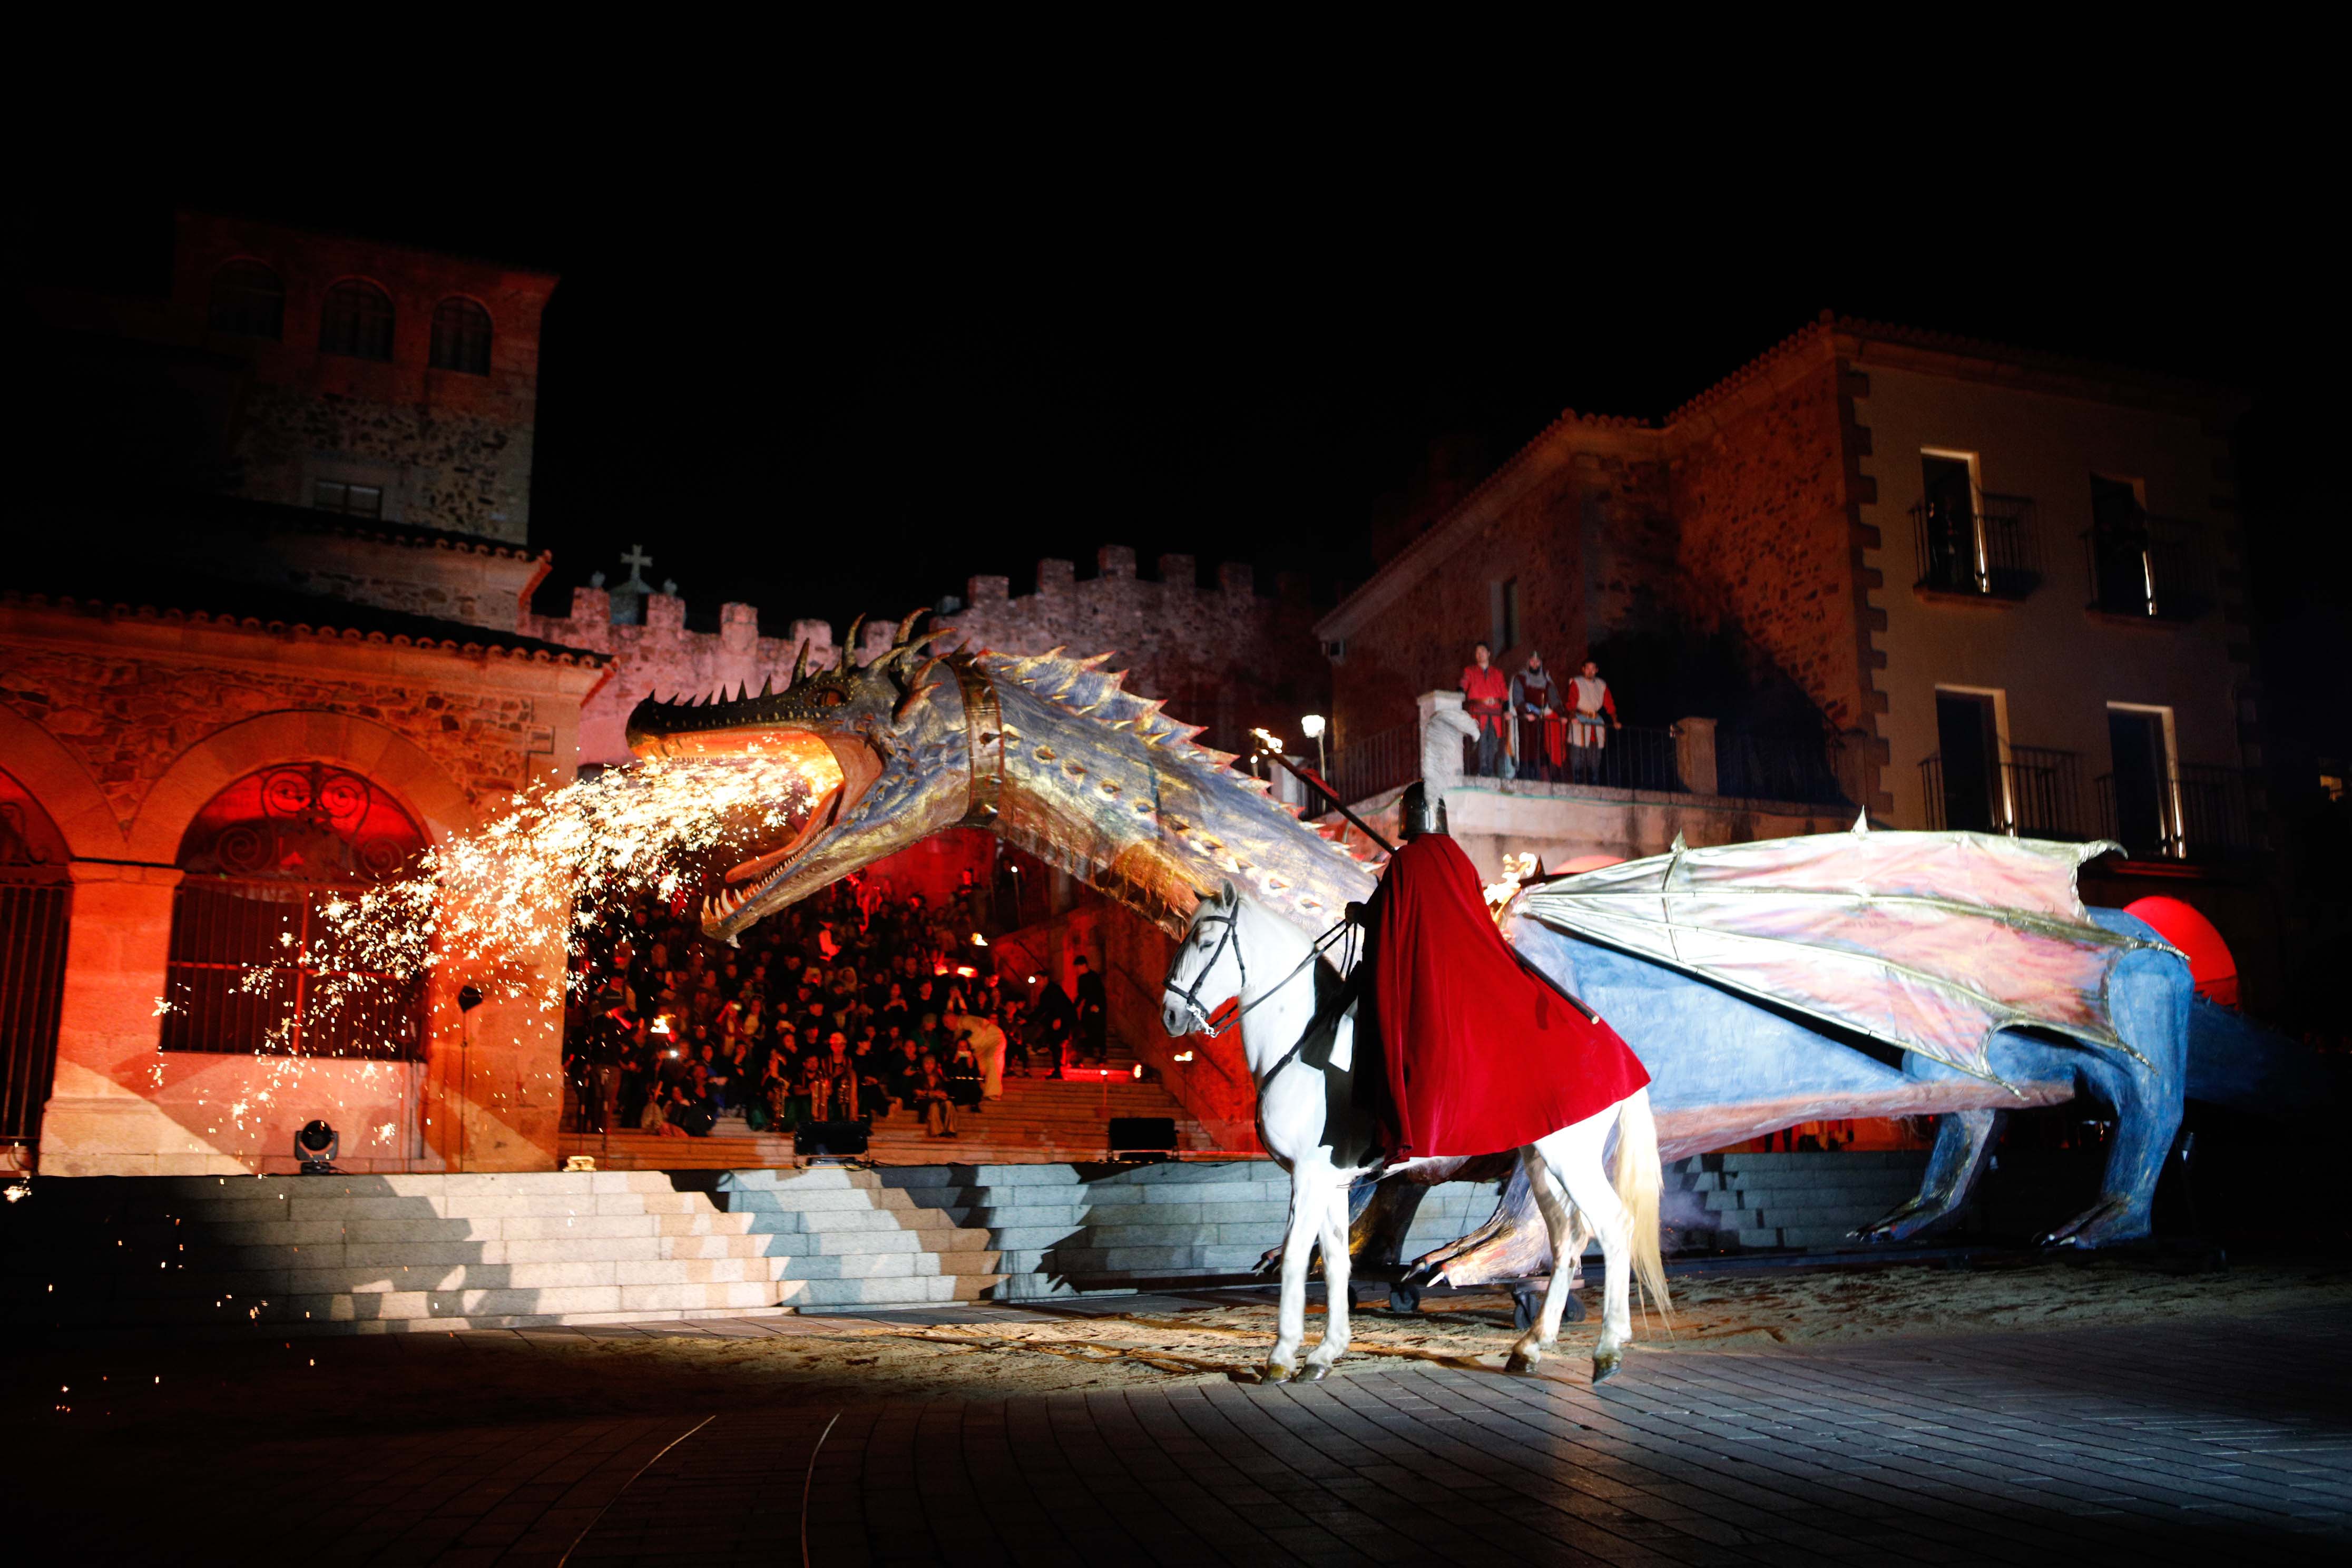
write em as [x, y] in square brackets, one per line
[255, 967]
[35, 905]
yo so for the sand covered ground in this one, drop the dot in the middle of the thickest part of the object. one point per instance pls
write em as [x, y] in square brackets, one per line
[403, 1382]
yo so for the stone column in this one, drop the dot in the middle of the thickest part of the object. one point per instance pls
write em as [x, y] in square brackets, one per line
[1694, 755]
[101, 1119]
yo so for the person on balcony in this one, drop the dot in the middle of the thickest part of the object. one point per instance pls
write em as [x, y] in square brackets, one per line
[1535, 707]
[1487, 698]
[1594, 715]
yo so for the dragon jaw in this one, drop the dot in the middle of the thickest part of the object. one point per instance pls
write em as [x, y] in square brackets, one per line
[883, 743]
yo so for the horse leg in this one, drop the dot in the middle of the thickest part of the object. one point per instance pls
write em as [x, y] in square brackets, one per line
[1336, 1265]
[1964, 1141]
[1310, 1198]
[1551, 1202]
[1572, 1156]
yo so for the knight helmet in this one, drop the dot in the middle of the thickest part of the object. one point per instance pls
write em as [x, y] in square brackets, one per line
[1422, 811]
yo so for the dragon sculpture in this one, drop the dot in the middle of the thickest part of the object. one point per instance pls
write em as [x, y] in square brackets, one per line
[1057, 757]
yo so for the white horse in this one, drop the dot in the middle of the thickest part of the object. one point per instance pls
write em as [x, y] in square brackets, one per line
[1298, 1035]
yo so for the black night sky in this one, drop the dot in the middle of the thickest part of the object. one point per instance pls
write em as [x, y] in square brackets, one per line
[830, 391]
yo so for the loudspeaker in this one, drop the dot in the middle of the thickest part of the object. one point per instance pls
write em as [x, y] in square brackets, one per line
[1135, 1135]
[829, 1138]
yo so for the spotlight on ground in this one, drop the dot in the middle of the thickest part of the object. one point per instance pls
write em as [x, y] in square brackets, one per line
[315, 1148]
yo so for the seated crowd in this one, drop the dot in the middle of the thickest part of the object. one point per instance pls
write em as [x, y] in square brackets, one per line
[846, 1008]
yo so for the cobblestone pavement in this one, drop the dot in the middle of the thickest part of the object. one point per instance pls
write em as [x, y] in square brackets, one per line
[2212, 1439]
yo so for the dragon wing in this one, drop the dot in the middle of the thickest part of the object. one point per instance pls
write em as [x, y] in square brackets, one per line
[1928, 941]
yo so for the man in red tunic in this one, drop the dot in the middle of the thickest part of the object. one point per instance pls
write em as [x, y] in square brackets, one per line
[1487, 698]
[1483, 1055]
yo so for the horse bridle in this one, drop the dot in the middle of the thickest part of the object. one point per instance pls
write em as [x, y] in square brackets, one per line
[1190, 995]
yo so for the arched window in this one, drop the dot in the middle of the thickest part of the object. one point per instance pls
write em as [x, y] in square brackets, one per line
[357, 320]
[256, 965]
[35, 902]
[249, 301]
[461, 336]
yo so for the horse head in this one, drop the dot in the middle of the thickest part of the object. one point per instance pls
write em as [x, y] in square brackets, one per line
[1207, 972]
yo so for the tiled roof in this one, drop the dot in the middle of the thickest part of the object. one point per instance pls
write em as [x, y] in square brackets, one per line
[252, 607]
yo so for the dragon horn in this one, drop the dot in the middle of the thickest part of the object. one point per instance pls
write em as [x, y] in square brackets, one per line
[918, 691]
[849, 643]
[907, 627]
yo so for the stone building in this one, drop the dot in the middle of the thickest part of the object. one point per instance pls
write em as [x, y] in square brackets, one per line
[2007, 587]
[189, 766]
[382, 381]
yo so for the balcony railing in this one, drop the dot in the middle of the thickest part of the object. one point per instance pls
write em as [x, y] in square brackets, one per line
[1748, 766]
[2196, 810]
[1383, 760]
[2035, 794]
[2151, 568]
[1987, 551]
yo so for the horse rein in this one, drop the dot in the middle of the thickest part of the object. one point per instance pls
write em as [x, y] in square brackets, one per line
[1190, 995]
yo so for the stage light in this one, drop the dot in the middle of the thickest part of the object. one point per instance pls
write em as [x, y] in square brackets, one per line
[977, 939]
[1033, 980]
[1138, 1073]
[967, 971]
[1311, 726]
[315, 1148]
[1269, 740]
[1184, 1055]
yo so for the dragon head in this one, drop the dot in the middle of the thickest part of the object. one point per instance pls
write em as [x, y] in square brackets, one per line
[886, 744]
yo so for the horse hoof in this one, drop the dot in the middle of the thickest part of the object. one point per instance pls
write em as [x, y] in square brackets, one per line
[1274, 1373]
[1523, 1365]
[1314, 1373]
[1605, 1367]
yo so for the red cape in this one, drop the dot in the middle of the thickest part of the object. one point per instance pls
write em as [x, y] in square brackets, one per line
[1483, 1056]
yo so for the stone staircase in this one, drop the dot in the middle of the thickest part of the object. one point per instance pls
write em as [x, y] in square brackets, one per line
[376, 1254]
[383, 1254]
[1739, 1203]
[1038, 1120]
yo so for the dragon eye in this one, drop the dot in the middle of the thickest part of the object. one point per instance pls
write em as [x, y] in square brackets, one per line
[829, 699]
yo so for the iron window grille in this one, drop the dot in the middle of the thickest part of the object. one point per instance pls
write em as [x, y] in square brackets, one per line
[461, 337]
[357, 320]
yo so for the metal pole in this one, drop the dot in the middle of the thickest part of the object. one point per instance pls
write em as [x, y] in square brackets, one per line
[1332, 795]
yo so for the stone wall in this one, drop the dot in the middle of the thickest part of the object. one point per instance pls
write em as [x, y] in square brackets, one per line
[1227, 657]
[451, 449]
[1760, 490]
[128, 719]
[661, 657]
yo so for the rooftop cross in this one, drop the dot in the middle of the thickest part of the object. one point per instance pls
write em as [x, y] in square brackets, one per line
[636, 559]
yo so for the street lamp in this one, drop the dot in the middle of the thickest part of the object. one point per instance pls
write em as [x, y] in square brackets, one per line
[1311, 726]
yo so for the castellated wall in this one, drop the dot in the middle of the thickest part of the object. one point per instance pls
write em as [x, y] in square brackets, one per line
[1225, 658]
[662, 658]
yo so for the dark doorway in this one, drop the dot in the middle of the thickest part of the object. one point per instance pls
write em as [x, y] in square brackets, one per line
[1951, 522]
[2136, 741]
[1969, 745]
[2119, 547]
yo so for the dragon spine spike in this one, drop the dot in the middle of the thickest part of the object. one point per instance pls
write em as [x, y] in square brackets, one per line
[768, 688]
[907, 627]
[799, 666]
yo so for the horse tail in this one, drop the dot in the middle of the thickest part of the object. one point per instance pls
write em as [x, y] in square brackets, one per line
[1639, 1181]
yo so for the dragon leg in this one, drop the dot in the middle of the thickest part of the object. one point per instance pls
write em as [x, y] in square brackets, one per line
[2146, 1092]
[1513, 1244]
[1964, 1141]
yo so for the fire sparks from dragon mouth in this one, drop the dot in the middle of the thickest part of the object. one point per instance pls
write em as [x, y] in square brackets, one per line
[557, 864]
